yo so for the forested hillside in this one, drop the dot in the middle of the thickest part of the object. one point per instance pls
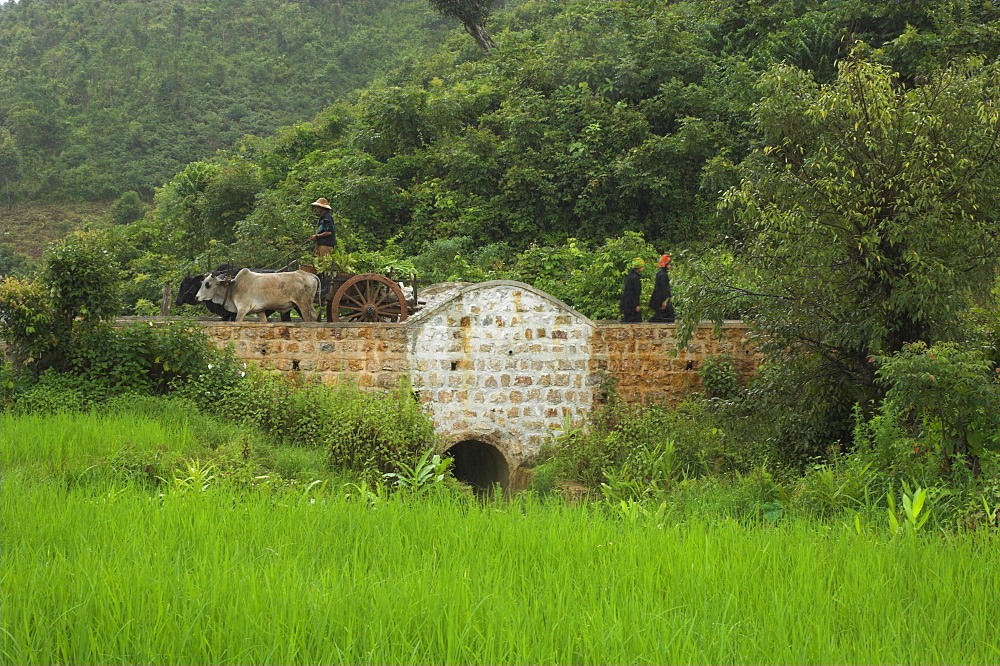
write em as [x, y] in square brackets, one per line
[589, 120]
[100, 97]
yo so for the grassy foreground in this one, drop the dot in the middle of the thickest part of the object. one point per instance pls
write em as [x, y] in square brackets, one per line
[101, 570]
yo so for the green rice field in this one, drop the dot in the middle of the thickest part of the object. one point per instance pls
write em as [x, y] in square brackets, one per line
[99, 567]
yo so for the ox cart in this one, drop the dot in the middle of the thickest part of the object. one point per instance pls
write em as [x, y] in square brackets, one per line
[366, 297]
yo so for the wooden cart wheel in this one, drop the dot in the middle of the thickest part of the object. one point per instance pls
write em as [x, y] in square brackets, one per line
[368, 297]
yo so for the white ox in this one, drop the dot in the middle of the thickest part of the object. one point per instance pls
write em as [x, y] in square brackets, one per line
[252, 293]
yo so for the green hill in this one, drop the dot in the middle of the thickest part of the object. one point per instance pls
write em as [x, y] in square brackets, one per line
[590, 119]
[100, 97]
[28, 228]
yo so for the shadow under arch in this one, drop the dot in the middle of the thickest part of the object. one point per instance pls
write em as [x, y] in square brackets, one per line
[479, 464]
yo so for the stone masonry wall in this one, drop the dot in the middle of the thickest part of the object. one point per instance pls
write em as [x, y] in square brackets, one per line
[373, 355]
[497, 362]
[647, 366]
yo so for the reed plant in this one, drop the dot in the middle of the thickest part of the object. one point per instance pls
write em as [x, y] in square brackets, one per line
[112, 571]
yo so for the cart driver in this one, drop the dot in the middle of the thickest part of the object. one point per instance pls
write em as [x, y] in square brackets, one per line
[326, 232]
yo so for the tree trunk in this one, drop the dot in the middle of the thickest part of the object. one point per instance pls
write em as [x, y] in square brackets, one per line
[482, 37]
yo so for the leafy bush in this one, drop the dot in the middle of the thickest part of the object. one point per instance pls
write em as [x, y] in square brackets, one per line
[99, 362]
[638, 450]
[26, 320]
[841, 484]
[428, 473]
[799, 416]
[587, 278]
[83, 282]
[946, 397]
[127, 208]
[982, 510]
[366, 432]
[718, 376]
[53, 392]
[892, 452]
[458, 259]
[143, 357]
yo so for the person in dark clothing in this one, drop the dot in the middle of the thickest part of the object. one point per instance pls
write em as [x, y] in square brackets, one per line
[629, 305]
[326, 232]
[660, 302]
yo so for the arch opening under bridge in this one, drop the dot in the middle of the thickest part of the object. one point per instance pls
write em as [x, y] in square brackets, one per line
[480, 465]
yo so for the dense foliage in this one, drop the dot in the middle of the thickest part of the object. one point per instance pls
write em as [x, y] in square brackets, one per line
[865, 221]
[99, 97]
[588, 120]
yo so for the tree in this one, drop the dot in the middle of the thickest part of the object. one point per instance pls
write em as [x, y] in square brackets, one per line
[127, 208]
[83, 282]
[134, 90]
[867, 221]
[473, 14]
[10, 161]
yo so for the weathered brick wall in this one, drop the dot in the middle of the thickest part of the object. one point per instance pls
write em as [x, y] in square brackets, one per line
[373, 355]
[647, 366]
[502, 362]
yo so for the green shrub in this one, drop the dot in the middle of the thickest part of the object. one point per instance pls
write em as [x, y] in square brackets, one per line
[27, 323]
[366, 432]
[82, 279]
[127, 208]
[891, 450]
[639, 450]
[981, 510]
[946, 397]
[797, 419]
[143, 357]
[53, 392]
[719, 377]
[585, 277]
[844, 483]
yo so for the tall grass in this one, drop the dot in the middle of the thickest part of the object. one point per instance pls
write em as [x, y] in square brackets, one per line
[71, 440]
[110, 572]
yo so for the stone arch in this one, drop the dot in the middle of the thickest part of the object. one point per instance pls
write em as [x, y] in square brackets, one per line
[480, 460]
[456, 290]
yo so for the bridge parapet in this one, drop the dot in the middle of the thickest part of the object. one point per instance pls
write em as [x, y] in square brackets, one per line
[373, 355]
[647, 364]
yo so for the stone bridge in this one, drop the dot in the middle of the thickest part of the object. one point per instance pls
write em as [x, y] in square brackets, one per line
[497, 365]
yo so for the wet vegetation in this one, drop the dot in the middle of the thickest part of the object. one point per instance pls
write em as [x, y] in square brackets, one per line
[826, 171]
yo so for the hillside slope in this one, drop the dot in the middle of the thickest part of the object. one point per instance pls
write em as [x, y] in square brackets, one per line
[104, 96]
[590, 119]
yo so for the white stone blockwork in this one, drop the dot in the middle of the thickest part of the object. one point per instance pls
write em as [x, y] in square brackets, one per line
[502, 362]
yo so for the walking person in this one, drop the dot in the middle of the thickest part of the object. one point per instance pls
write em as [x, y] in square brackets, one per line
[326, 231]
[629, 305]
[661, 302]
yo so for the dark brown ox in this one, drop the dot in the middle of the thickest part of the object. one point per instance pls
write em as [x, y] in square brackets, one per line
[253, 293]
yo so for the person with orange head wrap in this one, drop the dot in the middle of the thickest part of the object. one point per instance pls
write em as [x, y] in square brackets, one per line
[661, 302]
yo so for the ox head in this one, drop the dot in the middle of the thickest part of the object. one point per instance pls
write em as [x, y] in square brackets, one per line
[187, 292]
[214, 287]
